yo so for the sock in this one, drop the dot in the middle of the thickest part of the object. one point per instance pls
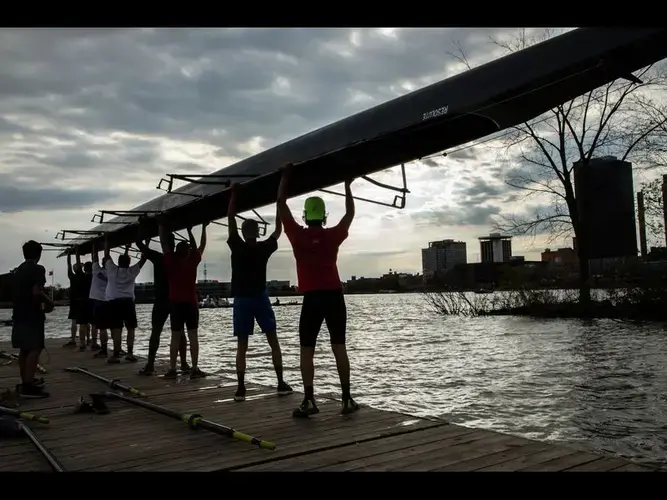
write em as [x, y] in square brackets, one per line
[241, 378]
[346, 391]
[310, 393]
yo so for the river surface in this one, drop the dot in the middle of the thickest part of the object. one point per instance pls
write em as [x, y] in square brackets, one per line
[598, 385]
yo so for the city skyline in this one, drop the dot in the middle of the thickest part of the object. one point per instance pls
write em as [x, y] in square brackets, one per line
[92, 119]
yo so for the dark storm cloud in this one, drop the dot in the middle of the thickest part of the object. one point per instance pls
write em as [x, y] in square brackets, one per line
[220, 85]
[18, 198]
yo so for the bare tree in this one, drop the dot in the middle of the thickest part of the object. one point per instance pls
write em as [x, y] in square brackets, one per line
[626, 119]
[654, 212]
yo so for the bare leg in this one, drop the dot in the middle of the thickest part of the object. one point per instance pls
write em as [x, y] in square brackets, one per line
[174, 348]
[93, 329]
[72, 329]
[276, 355]
[83, 332]
[194, 348]
[117, 337]
[308, 370]
[130, 341]
[183, 351]
[31, 362]
[241, 350]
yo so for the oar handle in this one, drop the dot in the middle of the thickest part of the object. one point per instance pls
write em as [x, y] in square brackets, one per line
[30, 416]
[267, 445]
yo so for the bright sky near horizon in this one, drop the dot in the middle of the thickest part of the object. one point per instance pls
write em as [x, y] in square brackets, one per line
[93, 118]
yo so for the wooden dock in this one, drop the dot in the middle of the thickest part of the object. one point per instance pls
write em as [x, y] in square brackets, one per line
[130, 438]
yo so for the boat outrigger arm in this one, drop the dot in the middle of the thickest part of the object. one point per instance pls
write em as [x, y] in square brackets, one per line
[469, 106]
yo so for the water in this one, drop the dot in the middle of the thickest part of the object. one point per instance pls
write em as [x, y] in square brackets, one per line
[598, 385]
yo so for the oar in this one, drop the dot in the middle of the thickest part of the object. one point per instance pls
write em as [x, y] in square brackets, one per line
[9, 355]
[13, 427]
[195, 421]
[23, 414]
[114, 384]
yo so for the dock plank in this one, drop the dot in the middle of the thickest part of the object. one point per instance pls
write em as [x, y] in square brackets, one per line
[131, 438]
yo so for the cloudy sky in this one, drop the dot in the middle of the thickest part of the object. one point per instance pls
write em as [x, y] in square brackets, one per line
[91, 119]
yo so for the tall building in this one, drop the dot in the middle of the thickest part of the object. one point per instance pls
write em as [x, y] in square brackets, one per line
[606, 202]
[441, 256]
[495, 248]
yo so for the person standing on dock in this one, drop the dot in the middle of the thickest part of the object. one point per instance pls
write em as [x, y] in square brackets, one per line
[316, 253]
[181, 265]
[161, 306]
[30, 305]
[74, 273]
[251, 298]
[98, 296]
[120, 294]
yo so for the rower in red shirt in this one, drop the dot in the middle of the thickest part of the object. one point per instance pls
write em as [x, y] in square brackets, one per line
[181, 268]
[316, 253]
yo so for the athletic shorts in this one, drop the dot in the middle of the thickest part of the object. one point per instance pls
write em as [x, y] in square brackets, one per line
[73, 309]
[101, 314]
[84, 312]
[323, 306]
[249, 309]
[28, 335]
[159, 315]
[122, 313]
[184, 315]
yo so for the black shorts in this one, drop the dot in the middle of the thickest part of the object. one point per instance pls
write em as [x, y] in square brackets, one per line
[318, 306]
[159, 315]
[84, 312]
[122, 313]
[101, 314]
[73, 309]
[28, 335]
[184, 315]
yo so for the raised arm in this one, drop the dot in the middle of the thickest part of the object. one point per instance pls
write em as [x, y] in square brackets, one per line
[202, 240]
[70, 273]
[279, 225]
[163, 234]
[191, 239]
[232, 227]
[93, 255]
[284, 212]
[107, 250]
[78, 257]
[346, 221]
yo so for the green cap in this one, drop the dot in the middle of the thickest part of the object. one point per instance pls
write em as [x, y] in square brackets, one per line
[314, 209]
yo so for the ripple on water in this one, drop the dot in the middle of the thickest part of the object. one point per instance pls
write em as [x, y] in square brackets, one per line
[600, 385]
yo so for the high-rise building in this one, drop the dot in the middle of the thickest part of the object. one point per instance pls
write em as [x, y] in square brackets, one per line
[495, 248]
[441, 256]
[606, 202]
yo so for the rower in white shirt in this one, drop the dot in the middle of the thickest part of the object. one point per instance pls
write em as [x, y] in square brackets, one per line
[120, 296]
[98, 290]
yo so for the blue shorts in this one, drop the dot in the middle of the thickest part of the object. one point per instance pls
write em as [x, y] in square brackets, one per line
[249, 309]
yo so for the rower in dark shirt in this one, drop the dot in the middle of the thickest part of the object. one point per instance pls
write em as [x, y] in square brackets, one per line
[161, 309]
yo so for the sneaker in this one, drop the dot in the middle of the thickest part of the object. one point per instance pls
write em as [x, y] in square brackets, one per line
[131, 358]
[306, 408]
[185, 368]
[197, 373]
[240, 394]
[171, 374]
[71, 343]
[32, 391]
[114, 359]
[349, 406]
[121, 352]
[101, 354]
[95, 347]
[284, 389]
[39, 382]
